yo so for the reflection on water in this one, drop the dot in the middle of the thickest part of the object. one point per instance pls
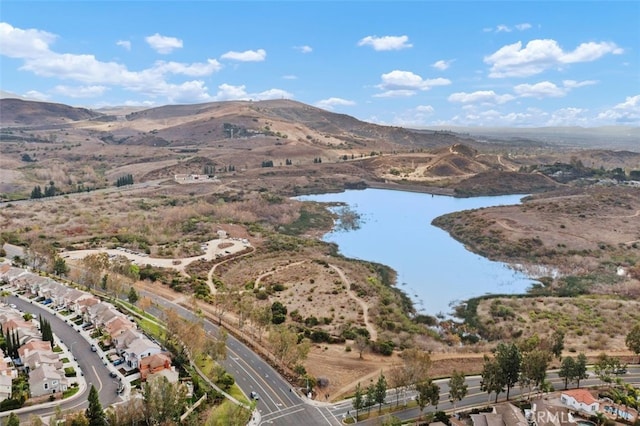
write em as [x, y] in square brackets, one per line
[433, 269]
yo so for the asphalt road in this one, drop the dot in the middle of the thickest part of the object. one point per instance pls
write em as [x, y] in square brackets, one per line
[94, 370]
[278, 404]
[475, 397]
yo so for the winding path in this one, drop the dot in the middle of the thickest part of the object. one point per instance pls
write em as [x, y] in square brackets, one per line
[373, 333]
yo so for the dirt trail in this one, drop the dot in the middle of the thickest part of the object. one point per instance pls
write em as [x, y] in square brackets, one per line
[365, 308]
[278, 269]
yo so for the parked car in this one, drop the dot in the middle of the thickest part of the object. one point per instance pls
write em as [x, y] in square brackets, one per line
[118, 361]
[621, 371]
[113, 374]
[93, 348]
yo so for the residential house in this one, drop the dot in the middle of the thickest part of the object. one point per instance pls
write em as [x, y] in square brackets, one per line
[101, 313]
[8, 274]
[545, 413]
[154, 364]
[82, 306]
[502, 415]
[580, 400]
[138, 349]
[34, 346]
[77, 300]
[119, 325]
[5, 387]
[26, 330]
[124, 339]
[37, 358]
[6, 366]
[47, 380]
[171, 375]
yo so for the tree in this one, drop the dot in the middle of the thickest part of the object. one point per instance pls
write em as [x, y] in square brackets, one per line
[428, 394]
[278, 313]
[557, 343]
[370, 397]
[399, 381]
[60, 267]
[358, 400]
[13, 420]
[416, 364]
[380, 391]
[95, 413]
[36, 192]
[133, 295]
[567, 370]
[362, 343]
[580, 368]
[285, 346]
[35, 420]
[533, 368]
[163, 401]
[633, 340]
[606, 367]
[509, 358]
[457, 388]
[491, 380]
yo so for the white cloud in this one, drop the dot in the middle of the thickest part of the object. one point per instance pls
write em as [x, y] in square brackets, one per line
[19, 43]
[163, 44]
[332, 102]
[481, 96]
[539, 55]
[568, 117]
[397, 93]
[83, 68]
[124, 43]
[386, 42]
[425, 109]
[572, 84]
[547, 89]
[304, 49]
[290, 77]
[34, 95]
[246, 56]
[197, 69]
[442, 64]
[544, 89]
[80, 91]
[405, 83]
[625, 112]
[187, 92]
[502, 28]
[227, 92]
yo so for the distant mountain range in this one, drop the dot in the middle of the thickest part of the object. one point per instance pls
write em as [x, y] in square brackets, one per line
[175, 123]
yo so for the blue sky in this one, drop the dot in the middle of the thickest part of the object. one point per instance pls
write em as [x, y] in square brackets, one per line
[414, 64]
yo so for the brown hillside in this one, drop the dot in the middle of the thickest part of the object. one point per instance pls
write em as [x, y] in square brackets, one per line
[16, 112]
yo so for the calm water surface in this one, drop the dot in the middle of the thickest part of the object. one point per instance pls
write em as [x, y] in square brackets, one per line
[435, 270]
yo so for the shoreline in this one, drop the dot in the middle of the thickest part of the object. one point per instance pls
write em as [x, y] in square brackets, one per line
[433, 190]
[407, 294]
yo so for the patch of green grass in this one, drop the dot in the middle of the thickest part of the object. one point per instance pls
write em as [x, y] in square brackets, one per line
[228, 414]
[152, 328]
[70, 392]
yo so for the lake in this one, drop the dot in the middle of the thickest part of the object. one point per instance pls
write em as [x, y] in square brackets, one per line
[434, 269]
